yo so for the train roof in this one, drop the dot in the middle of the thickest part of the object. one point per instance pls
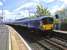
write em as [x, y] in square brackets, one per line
[29, 19]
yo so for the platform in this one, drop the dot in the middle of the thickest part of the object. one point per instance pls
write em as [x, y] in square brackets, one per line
[60, 31]
[11, 40]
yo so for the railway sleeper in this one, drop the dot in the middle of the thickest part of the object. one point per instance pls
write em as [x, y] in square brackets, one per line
[48, 45]
[59, 42]
[57, 45]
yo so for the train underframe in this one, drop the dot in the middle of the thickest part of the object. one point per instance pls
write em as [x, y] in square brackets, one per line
[39, 31]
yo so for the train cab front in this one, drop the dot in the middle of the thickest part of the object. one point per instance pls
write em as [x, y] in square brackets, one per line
[47, 24]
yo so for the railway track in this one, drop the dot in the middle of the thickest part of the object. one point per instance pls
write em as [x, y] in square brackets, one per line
[40, 42]
[49, 44]
[46, 43]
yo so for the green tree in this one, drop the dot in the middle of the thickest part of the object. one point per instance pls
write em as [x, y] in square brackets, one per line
[41, 11]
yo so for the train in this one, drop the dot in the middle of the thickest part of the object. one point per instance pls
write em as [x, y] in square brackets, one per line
[42, 23]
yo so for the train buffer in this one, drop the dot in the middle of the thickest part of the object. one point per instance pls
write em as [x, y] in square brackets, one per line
[11, 40]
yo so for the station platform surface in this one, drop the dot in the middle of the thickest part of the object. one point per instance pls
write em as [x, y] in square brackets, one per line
[4, 38]
[60, 31]
[11, 40]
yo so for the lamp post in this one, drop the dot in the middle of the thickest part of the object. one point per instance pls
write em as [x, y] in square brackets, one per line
[1, 17]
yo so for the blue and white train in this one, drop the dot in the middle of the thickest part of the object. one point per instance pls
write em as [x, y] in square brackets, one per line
[43, 23]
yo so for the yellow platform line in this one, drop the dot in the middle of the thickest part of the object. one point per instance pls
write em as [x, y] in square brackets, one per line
[17, 42]
[14, 43]
[9, 41]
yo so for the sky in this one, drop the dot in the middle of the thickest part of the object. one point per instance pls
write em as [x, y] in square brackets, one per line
[16, 9]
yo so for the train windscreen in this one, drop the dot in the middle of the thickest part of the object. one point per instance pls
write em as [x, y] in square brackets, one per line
[47, 20]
